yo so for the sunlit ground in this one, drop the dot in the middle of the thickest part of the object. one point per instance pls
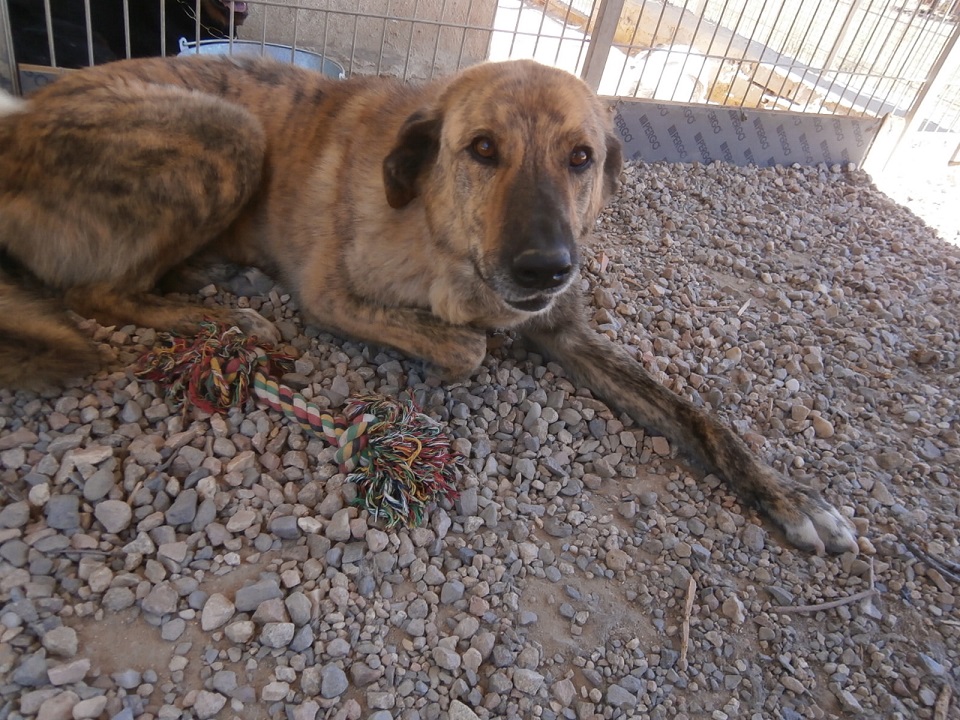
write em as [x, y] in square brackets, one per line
[930, 188]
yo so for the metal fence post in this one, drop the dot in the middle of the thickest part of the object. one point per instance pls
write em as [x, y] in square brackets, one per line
[913, 116]
[9, 80]
[601, 40]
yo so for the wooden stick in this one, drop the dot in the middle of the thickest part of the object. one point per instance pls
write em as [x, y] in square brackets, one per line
[832, 603]
[685, 628]
[942, 707]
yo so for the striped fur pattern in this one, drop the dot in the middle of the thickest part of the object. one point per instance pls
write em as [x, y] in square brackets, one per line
[417, 217]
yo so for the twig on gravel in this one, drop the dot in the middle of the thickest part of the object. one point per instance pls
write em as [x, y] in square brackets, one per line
[685, 627]
[944, 567]
[942, 707]
[824, 606]
[863, 595]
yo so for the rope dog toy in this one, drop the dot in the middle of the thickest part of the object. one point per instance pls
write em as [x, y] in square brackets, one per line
[399, 458]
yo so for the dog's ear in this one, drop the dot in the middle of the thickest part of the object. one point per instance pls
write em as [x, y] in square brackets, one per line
[415, 150]
[612, 166]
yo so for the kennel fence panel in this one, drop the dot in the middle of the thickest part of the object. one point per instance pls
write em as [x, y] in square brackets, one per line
[868, 58]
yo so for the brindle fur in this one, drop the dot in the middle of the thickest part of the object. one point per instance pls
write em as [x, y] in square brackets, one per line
[362, 197]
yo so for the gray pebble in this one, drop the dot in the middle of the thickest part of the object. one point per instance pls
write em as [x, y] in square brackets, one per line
[249, 597]
[61, 641]
[98, 486]
[333, 682]
[31, 671]
[184, 508]
[277, 634]
[285, 527]
[620, 697]
[63, 512]
[451, 592]
[446, 658]
[14, 515]
[114, 515]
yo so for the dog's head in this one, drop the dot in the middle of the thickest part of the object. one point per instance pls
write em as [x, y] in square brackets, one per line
[217, 12]
[513, 162]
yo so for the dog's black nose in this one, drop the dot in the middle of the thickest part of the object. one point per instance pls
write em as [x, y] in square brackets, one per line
[542, 269]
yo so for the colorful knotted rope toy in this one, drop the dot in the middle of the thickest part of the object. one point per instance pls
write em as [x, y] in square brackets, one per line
[398, 457]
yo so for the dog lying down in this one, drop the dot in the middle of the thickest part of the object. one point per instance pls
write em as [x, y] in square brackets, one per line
[467, 198]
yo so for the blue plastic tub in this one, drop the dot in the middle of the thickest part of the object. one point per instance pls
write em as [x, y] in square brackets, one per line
[284, 53]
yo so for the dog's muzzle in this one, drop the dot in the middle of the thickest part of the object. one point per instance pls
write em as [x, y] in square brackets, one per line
[539, 252]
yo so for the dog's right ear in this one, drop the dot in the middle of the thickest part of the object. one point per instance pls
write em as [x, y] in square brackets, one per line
[415, 150]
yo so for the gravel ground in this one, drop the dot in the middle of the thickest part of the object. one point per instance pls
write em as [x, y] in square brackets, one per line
[155, 566]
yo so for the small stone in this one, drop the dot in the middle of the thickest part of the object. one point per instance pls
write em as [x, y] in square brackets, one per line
[849, 701]
[275, 691]
[249, 597]
[306, 710]
[792, 684]
[451, 592]
[114, 515]
[661, 446]
[15, 515]
[564, 691]
[753, 537]
[61, 641]
[69, 673]
[127, 679]
[98, 486]
[822, 427]
[241, 520]
[299, 608]
[459, 711]
[377, 540]
[333, 682]
[184, 508]
[732, 608]
[363, 675]
[617, 560]
[338, 529]
[32, 671]
[173, 629]
[58, 707]
[161, 600]
[217, 611]
[620, 697]
[63, 512]
[446, 658]
[277, 634]
[285, 527]
[90, 708]
[208, 704]
[240, 632]
[527, 681]
[118, 598]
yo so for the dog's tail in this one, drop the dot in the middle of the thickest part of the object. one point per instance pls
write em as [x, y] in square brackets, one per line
[39, 346]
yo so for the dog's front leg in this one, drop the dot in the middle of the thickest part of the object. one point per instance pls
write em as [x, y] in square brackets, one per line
[455, 350]
[808, 521]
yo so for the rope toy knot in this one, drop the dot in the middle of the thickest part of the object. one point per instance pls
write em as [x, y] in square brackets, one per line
[399, 458]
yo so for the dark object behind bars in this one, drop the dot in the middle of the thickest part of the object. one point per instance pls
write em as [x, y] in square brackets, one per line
[109, 42]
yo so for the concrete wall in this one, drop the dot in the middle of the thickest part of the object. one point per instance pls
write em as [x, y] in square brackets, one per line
[405, 38]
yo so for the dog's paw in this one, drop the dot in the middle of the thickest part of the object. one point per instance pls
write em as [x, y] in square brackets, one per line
[255, 325]
[460, 357]
[810, 522]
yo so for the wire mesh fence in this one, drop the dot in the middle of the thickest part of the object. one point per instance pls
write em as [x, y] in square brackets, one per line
[867, 58]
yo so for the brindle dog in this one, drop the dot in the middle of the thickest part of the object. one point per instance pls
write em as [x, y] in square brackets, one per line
[418, 217]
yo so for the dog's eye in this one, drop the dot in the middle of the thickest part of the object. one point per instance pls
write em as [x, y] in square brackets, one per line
[580, 158]
[484, 149]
